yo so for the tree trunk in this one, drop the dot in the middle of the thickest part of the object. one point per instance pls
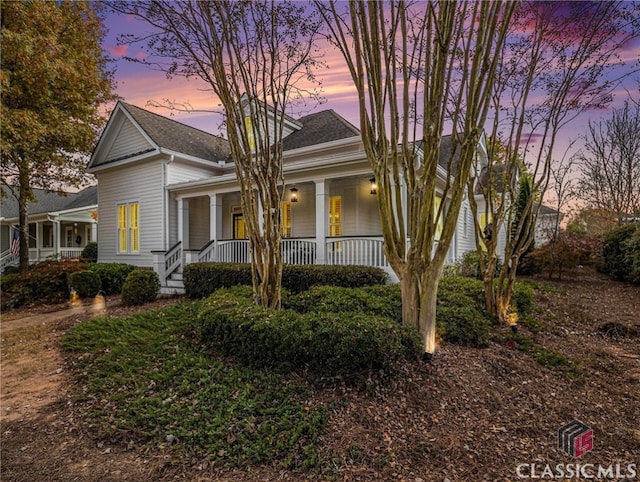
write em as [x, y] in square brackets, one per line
[23, 220]
[427, 307]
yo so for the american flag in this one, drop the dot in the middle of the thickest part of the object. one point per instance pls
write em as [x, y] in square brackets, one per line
[15, 241]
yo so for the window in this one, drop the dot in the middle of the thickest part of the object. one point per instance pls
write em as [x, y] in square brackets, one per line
[129, 228]
[33, 236]
[335, 216]
[248, 125]
[47, 235]
[285, 219]
[484, 220]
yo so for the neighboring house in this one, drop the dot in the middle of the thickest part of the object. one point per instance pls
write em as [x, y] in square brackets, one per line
[60, 224]
[168, 195]
[548, 220]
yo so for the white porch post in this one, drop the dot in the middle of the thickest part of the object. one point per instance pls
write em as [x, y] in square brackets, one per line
[57, 236]
[39, 227]
[94, 232]
[215, 216]
[322, 204]
[183, 222]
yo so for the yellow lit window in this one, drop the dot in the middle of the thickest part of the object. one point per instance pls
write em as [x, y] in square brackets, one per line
[248, 125]
[129, 228]
[484, 218]
[335, 216]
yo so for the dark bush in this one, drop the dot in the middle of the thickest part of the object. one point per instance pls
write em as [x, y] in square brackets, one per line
[327, 344]
[90, 252]
[7, 281]
[621, 248]
[523, 298]
[459, 322]
[112, 275]
[141, 286]
[381, 300]
[469, 265]
[462, 285]
[85, 283]
[11, 270]
[45, 281]
[202, 279]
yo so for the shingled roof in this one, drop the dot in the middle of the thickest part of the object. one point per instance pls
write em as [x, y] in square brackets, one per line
[48, 201]
[318, 128]
[173, 135]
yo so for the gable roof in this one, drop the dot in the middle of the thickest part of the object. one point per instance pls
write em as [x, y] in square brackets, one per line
[48, 201]
[318, 128]
[165, 133]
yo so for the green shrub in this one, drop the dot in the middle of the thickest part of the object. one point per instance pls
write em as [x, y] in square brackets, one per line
[202, 279]
[381, 300]
[456, 285]
[11, 270]
[45, 281]
[7, 281]
[327, 344]
[619, 251]
[523, 298]
[112, 275]
[141, 286]
[85, 283]
[632, 256]
[461, 323]
[469, 265]
[90, 252]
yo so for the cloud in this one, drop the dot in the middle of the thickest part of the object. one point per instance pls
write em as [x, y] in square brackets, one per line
[117, 50]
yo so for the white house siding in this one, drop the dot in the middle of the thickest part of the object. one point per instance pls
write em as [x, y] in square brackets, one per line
[198, 222]
[465, 238]
[183, 172]
[141, 182]
[128, 140]
[359, 209]
[303, 213]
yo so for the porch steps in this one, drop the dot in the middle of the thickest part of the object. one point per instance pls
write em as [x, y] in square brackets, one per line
[174, 285]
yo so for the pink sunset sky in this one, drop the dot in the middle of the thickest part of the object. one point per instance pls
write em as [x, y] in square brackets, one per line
[141, 86]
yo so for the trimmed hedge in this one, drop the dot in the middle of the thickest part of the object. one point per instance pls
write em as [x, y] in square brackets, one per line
[326, 344]
[141, 286]
[90, 252]
[112, 275]
[44, 281]
[202, 279]
[85, 283]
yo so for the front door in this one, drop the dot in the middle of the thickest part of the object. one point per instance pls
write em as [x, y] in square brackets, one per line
[238, 226]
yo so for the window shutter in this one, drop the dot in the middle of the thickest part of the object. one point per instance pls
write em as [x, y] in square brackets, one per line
[285, 219]
[440, 224]
[134, 220]
[335, 216]
[122, 228]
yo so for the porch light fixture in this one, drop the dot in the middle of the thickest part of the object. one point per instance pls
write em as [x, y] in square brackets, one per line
[294, 194]
[374, 186]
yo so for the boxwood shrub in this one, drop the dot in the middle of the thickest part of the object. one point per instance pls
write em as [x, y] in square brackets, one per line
[326, 344]
[112, 275]
[141, 286]
[621, 253]
[85, 283]
[44, 281]
[202, 279]
[90, 252]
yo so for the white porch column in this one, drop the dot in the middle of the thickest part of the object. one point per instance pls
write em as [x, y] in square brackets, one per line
[260, 215]
[183, 222]
[57, 235]
[215, 216]
[322, 208]
[94, 232]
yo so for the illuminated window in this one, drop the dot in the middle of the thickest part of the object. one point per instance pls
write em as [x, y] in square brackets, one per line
[129, 228]
[285, 219]
[484, 219]
[335, 216]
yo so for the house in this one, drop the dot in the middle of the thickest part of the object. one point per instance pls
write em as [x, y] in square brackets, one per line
[168, 195]
[547, 222]
[60, 224]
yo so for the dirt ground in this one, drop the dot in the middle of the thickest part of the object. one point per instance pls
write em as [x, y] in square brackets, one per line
[469, 415]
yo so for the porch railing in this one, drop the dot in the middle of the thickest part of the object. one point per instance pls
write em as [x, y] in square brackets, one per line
[8, 259]
[70, 253]
[364, 251]
[165, 263]
[207, 252]
[298, 251]
[233, 251]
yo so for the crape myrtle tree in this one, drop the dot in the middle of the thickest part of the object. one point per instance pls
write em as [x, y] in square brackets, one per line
[419, 69]
[552, 69]
[54, 81]
[258, 58]
[610, 163]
